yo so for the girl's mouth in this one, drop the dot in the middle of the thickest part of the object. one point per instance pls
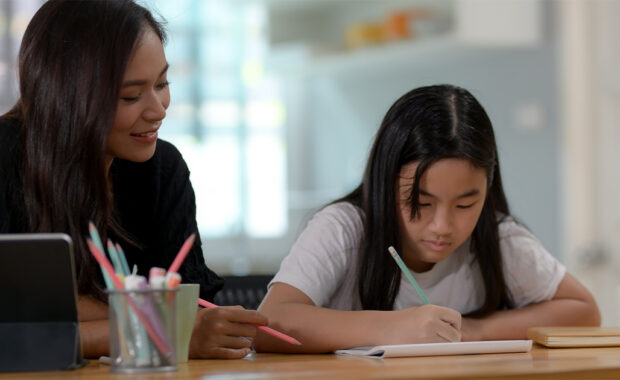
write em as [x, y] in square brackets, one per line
[436, 245]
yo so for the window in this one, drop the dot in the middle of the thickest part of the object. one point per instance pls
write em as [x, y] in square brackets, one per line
[14, 18]
[226, 115]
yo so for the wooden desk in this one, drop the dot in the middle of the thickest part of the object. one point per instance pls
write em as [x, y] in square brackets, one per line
[559, 363]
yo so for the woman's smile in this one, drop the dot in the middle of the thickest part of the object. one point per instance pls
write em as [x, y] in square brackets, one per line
[146, 137]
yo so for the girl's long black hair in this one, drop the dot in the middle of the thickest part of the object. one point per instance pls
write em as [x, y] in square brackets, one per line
[72, 61]
[426, 125]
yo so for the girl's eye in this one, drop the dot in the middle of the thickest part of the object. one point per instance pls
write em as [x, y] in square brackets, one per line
[424, 204]
[465, 206]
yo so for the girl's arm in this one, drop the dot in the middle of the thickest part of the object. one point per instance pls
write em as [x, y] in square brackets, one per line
[322, 330]
[572, 305]
[94, 326]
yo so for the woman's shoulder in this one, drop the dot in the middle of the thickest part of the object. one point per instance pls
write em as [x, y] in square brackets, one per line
[9, 138]
[166, 162]
[9, 131]
[168, 156]
[167, 149]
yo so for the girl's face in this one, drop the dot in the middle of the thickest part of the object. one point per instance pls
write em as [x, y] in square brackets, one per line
[144, 98]
[452, 194]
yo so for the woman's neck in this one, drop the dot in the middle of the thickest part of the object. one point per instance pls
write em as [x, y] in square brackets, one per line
[108, 164]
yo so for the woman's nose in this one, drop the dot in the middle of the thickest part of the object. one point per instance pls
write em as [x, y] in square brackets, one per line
[156, 107]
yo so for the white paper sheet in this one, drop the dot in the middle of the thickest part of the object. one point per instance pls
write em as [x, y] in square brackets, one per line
[435, 349]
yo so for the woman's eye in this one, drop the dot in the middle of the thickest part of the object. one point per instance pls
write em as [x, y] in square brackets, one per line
[424, 204]
[163, 85]
[130, 98]
[465, 206]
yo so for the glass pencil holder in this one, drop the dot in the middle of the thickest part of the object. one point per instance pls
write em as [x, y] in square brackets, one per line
[142, 330]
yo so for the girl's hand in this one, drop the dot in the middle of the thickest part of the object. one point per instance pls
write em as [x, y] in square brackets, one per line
[224, 332]
[425, 324]
[471, 329]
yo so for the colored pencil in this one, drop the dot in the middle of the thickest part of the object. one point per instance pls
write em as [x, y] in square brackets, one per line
[105, 264]
[178, 260]
[94, 235]
[407, 274]
[265, 329]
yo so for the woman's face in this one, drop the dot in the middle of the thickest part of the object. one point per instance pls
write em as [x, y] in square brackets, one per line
[452, 194]
[144, 98]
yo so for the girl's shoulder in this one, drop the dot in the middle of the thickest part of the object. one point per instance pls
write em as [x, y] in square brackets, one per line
[514, 237]
[342, 214]
[341, 210]
[508, 227]
[337, 223]
[531, 272]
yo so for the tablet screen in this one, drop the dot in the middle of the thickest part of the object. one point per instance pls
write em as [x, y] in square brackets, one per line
[37, 278]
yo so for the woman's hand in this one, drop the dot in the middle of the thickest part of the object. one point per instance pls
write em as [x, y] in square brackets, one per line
[224, 332]
[94, 326]
[423, 324]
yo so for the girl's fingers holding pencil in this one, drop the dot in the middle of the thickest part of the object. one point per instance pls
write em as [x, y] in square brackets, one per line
[447, 324]
[448, 333]
[451, 317]
[424, 324]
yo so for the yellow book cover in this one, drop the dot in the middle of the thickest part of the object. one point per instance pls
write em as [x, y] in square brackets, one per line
[575, 336]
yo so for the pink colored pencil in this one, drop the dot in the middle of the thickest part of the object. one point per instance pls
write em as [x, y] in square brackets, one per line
[103, 261]
[178, 260]
[265, 329]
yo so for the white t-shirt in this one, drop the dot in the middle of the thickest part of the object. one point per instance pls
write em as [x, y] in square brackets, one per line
[323, 264]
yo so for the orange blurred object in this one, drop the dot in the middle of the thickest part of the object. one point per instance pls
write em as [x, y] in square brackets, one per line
[364, 34]
[397, 25]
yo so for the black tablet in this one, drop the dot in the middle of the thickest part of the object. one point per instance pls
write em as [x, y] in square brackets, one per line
[38, 303]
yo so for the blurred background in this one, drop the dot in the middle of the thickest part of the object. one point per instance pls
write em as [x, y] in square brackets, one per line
[275, 104]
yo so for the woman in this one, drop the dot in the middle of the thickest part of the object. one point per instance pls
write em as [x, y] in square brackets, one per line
[81, 145]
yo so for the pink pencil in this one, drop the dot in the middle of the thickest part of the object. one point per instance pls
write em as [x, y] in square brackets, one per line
[103, 261]
[176, 264]
[266, 329]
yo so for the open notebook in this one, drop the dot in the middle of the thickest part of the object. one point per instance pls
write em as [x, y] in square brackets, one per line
[575, 336]
[435, 349]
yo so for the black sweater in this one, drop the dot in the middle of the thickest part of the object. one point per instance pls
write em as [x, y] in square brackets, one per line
[154, 201]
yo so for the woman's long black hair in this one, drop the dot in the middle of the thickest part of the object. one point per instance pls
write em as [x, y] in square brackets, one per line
[71, 65]
[426, 125]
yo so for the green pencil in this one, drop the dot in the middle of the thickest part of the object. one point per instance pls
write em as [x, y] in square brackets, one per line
[407, 274]
[94, 235]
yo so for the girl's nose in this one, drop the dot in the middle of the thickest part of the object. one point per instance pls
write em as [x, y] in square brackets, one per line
[441, 223]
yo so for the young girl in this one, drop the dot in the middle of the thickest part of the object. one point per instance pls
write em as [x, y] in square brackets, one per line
[81, 144]
[433, 190]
